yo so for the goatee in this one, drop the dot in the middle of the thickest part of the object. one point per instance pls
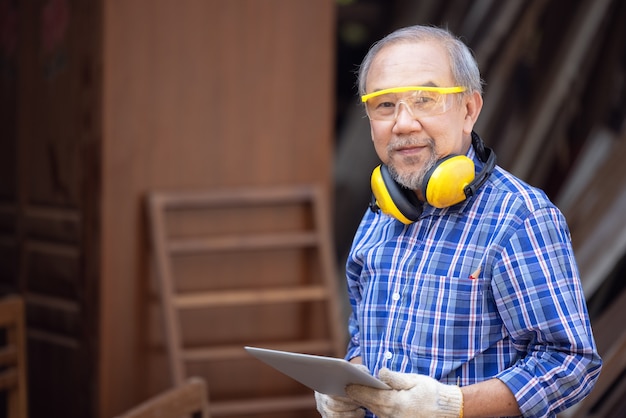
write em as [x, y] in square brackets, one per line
[412, 179]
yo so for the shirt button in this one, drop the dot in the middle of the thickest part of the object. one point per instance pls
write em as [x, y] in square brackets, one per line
[388, 355]
[395, 296]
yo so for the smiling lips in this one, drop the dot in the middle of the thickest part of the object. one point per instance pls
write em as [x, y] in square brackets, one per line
[409, 149]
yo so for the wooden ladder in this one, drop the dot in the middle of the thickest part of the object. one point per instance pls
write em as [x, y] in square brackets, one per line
[292, 222]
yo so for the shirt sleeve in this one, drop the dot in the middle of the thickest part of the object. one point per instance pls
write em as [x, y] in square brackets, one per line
[353, 269]
[538, 292]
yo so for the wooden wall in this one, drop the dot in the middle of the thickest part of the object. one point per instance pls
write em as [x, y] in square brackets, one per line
[199, 94]
[105, 101]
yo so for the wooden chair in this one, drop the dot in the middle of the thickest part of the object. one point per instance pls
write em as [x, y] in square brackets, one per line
[188, 399]
[13, 356]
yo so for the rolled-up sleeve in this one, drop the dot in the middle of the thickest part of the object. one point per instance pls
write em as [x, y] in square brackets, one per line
[539, 296]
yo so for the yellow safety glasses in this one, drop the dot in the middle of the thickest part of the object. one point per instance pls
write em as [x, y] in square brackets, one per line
[419, 100]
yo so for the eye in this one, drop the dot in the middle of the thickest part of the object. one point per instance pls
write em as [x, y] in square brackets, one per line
[424, 99]
[383, 105]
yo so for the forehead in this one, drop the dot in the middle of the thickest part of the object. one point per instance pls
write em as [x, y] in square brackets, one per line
[410, 64]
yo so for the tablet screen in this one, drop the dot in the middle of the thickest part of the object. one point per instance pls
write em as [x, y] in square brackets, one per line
[326, 375]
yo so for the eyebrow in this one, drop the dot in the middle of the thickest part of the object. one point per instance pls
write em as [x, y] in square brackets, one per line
[427, 84]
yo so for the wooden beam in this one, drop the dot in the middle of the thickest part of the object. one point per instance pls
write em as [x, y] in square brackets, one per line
[567, 63]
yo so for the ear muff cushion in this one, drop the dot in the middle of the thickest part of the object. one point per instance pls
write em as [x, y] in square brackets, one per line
[391, 198]
[445, 183]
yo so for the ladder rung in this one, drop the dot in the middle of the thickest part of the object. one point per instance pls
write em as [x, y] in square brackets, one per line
[248, 406]
[249, 297]
[242, 242]
[229, 352]
[239, 198]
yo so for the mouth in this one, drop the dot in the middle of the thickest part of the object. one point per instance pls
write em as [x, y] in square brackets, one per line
[409, 148]
[410, 144]
[411, 155]
[406, 150]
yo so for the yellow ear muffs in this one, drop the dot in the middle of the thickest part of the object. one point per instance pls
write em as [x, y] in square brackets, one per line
[392, 199]
[450, 181]
[445, 184]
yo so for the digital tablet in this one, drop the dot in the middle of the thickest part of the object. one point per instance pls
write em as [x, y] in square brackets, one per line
[326, 375]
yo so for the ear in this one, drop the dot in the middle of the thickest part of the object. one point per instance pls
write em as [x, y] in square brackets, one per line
[473, 106]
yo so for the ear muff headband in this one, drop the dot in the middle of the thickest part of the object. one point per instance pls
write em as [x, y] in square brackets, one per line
[481, 178]
[390, 199]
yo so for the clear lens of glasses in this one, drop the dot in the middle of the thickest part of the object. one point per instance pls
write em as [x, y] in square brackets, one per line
[418, 102]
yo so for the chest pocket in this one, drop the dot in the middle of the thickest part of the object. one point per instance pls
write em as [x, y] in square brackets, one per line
[448, 319]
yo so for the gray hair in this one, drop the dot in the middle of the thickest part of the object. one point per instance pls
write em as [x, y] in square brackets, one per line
[463, 65]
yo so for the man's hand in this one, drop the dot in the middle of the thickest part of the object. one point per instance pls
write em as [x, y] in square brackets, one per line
[330, 406]
[411, 395]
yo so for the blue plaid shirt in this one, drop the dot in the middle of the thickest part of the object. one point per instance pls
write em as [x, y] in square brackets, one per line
[486, 288]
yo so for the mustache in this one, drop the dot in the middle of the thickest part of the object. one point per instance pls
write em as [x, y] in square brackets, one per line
[410, 141]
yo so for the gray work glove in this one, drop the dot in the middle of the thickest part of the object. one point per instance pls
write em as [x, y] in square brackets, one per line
[411, 396]
[333, 406]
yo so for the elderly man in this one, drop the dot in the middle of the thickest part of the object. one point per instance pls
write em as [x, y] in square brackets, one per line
[466, 298]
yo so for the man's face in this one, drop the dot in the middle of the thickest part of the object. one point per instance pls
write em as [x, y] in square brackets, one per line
[410, 145]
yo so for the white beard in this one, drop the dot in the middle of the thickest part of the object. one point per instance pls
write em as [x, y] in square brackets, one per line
[412, 180]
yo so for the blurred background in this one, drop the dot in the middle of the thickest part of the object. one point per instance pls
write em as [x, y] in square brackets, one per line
[180, 179]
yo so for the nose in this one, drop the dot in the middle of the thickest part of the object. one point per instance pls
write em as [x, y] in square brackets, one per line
[405, 120]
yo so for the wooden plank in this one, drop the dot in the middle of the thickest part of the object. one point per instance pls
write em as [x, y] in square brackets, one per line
[14, 368]
[228, 352]
[52, 302]
[163, 265]
[567, 63]
[595, 217]
[246, 297]
[499, 29]
[179, 199]
[180, 246]
[187, 399]
[500, 72]
[595, 153]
